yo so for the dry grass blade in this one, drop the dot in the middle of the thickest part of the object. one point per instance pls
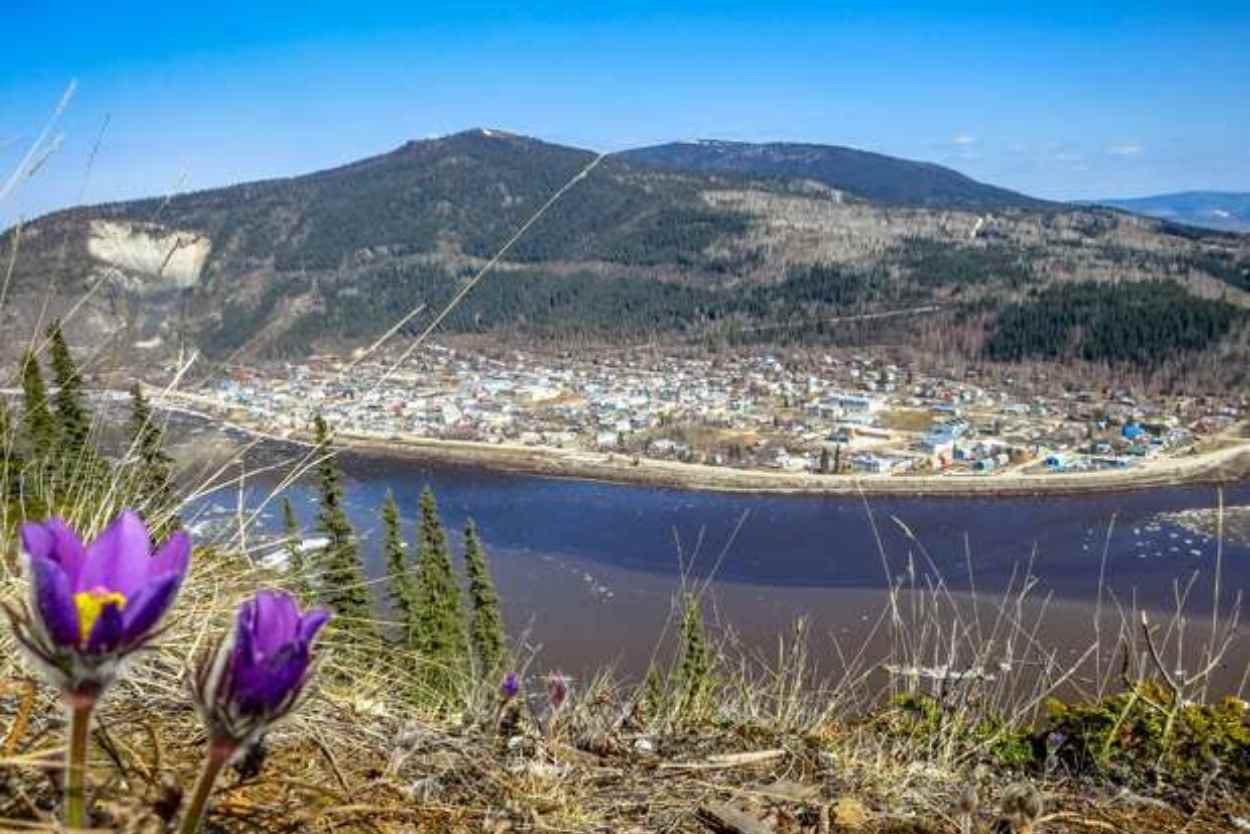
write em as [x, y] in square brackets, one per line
[38, 149]
[728, 760]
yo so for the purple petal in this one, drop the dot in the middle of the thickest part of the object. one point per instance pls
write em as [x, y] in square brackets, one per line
[311, 624]
[67, 548]
[145, 610]
[53, 539]
[511, 685]
[108, 632]
[260, 688]
[54, 601]
[244, 652]
[120, 559]
[173, 556]
[277, 622]
[37, 540]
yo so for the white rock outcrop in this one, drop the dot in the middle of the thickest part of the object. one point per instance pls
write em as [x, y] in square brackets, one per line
[147, 256]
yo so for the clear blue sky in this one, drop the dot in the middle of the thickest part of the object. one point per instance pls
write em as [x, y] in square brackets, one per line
[1077, 100]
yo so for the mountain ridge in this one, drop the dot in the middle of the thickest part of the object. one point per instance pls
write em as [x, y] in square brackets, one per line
[1222, 210]
[328, 260]
[865, 174]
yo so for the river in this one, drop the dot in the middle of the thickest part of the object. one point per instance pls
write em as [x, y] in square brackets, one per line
[587, 570]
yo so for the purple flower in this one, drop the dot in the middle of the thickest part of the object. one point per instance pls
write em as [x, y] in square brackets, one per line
[256, 680]
[93, 604]
[510, 687]
[557, 691]
[272, 650]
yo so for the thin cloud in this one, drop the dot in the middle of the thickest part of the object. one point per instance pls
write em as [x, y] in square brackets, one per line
[964, 139]
[1128, 149]
[1061, 152]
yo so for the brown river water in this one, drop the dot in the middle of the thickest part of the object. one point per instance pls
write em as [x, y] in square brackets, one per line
[588, 571]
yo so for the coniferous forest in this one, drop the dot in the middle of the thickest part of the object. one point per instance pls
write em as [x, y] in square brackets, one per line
[1141, 324]
[1136, 323]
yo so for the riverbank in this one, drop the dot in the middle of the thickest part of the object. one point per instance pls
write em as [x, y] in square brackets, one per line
[1220, 466]
[1227, 464]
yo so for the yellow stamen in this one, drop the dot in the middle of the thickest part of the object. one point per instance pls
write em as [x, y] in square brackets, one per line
[91, 605]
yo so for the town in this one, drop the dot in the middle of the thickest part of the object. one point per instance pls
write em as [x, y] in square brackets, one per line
[830, 414]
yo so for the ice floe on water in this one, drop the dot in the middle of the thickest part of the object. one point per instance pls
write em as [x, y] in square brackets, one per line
[595, 587]
[1151, 539]
[1189, 534]
[211, 526]
[1204, 523]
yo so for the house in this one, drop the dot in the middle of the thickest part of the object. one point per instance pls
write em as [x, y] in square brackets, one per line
[857, 403]
[791, 463]
[938, 443]
[878, 464]
[827, 409]
[871, 463]
[955, 428]
[450, 414]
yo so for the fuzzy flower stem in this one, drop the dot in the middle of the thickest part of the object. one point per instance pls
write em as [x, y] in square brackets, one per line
[76, 770]
[220, 750]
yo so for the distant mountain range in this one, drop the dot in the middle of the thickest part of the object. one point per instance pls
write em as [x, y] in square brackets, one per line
[871, 176]
[1225, 210]
[713, 242]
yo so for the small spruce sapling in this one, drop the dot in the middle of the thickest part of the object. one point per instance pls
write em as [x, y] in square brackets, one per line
[486, 629]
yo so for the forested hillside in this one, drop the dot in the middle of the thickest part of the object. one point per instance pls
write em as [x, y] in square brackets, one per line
[872, 176]
[1143, 324]
[330, 260]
